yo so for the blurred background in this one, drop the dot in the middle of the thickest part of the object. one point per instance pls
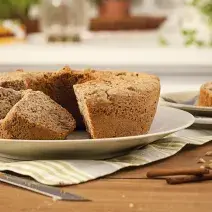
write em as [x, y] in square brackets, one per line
[170, 38]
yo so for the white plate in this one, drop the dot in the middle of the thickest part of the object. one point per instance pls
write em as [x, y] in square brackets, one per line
[203, 122]
[167, 121]
[185, 100]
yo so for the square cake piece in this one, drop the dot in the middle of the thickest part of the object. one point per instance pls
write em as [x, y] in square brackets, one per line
[37, 117]
[118, 107]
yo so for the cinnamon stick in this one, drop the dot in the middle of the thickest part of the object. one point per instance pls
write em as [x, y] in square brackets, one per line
[182, 171]
[188, 179]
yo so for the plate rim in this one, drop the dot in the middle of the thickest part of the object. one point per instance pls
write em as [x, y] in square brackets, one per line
[103, 140]
[202, 120]
[184, 106]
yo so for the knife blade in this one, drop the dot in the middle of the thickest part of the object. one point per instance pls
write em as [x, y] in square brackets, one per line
[55, 193]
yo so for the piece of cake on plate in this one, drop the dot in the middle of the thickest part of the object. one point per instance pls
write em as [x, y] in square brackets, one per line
[65, 85]
[118, 107]
[36, 117]
[205, 96]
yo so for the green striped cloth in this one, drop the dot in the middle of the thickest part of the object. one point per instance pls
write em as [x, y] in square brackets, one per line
[68, 172]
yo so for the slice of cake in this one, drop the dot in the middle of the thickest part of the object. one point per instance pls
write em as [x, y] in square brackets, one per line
[205, 97]
[59, 86]
[37, 116]
[14, 80]
[18, 79]
[8, 98]
[118, 107]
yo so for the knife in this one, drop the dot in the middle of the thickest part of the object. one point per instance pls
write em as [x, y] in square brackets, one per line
[55, 193]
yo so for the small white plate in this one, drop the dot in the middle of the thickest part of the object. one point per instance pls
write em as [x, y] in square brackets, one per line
[186, 101]
[80, 146]
[203, 120]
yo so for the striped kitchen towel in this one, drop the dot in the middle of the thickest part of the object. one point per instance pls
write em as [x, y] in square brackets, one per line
[68, 172]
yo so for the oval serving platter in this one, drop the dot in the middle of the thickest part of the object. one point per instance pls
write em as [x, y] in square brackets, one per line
[79, 146]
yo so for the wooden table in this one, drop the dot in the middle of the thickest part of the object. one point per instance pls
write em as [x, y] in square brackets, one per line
[127, 23]
[127, 190]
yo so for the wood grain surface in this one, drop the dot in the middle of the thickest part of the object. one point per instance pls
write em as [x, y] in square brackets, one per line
[127, 190]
